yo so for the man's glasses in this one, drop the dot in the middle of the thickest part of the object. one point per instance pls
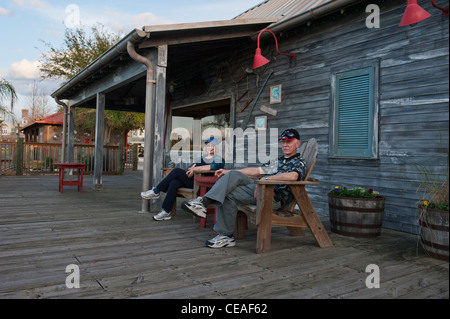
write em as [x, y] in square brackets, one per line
[287, 135]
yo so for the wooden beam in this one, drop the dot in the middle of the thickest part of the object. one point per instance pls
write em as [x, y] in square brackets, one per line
[264, 218]
[127, 72]
[310, 215]
[194, 38]
[208, 24]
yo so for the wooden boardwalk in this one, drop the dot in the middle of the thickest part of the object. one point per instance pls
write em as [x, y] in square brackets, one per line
[125, 254]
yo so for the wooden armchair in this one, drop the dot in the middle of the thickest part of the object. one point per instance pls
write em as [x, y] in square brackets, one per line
[263, 215]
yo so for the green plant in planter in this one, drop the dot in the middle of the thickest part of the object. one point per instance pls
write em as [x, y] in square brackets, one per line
[433, 207]
[356, 192]
[356, 212]
[434, 182]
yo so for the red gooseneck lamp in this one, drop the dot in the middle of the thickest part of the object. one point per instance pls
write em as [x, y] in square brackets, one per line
[259, 60]
[415, 13]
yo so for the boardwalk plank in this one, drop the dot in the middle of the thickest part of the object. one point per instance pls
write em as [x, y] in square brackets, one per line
[125, 254]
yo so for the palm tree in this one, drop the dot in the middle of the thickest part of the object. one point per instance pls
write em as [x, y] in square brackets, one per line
[7, 92]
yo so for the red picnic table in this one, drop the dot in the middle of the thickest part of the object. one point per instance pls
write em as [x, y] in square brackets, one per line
[75, 166]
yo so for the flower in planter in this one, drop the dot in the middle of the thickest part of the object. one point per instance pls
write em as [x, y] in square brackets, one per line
[356, 192]
[440, 206]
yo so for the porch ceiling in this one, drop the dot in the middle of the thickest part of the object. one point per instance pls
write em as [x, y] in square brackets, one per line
[186, 43]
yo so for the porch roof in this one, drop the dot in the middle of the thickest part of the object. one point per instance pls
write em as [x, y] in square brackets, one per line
[277, 15]
[214, 33]
[291, 13]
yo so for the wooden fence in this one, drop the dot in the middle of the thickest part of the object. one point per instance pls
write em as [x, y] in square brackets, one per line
[17, 158]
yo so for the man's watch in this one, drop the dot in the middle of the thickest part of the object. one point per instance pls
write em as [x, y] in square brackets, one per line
[266, 177]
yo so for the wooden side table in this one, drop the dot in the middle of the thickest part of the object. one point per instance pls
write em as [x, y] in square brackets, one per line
[78, 182]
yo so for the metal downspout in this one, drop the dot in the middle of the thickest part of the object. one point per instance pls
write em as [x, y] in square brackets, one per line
[64, 132]
[150, 82]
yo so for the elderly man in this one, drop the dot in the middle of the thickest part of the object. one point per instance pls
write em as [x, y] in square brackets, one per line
[236, 188]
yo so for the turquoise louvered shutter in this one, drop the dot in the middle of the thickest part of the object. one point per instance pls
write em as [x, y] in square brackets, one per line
[354, 113]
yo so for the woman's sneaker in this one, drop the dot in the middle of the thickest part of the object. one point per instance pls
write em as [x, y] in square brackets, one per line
[162, 215]
[195, 206]
[150, 194]
[221, 241]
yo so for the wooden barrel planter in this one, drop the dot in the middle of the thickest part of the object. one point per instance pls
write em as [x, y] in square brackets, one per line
[356, 217]
[434, 232]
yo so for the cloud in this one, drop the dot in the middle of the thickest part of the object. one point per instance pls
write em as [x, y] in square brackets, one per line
[4, 12]
[148, 18]
[24, 70]
[38, 4]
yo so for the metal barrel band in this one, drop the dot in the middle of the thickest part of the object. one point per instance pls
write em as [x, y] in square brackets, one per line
[433, 226]
[360, 226]
[362, 210]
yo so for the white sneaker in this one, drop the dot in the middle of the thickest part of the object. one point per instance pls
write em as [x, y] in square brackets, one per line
[150, 194]
[221, 241]
[162, 215]
[195, 206]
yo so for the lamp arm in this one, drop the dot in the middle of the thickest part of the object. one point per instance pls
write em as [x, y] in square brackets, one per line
[444, 10]
[292, 55]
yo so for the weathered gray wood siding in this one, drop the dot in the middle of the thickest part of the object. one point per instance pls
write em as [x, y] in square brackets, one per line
[413, 119]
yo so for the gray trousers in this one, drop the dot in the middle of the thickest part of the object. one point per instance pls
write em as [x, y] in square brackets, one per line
[231, 190]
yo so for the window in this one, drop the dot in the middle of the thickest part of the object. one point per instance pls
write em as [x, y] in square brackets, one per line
[354, 119]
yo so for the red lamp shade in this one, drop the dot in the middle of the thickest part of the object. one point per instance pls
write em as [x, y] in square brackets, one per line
[259, 60]
[413, 14]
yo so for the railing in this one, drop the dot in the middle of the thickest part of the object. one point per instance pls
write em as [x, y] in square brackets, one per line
[38, 158]
[7, 157]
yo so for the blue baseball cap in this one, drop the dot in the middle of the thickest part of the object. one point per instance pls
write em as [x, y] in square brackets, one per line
[213, 140]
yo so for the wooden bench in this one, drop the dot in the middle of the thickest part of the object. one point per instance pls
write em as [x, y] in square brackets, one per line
[263, 215]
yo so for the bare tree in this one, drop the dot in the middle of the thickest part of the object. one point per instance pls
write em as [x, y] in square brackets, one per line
[37, 103]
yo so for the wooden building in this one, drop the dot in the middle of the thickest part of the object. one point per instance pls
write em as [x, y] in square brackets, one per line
[49, 129]
[44, 130]
[203, 71]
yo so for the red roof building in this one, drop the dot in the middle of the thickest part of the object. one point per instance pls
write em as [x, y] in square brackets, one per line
[45, 130]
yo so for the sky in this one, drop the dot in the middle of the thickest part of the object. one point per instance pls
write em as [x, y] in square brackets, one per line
[26, 25]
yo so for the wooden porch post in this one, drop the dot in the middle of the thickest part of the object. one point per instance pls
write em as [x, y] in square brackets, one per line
[64, 135]
[99, 133]
[160, 115]
[71, 134]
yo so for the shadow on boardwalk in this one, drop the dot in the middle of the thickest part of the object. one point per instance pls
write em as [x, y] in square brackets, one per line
[125, 254]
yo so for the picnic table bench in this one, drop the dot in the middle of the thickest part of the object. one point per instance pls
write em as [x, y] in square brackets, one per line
[74, 166]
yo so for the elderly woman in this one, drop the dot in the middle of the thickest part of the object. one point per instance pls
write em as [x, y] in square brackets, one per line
[178, 178]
